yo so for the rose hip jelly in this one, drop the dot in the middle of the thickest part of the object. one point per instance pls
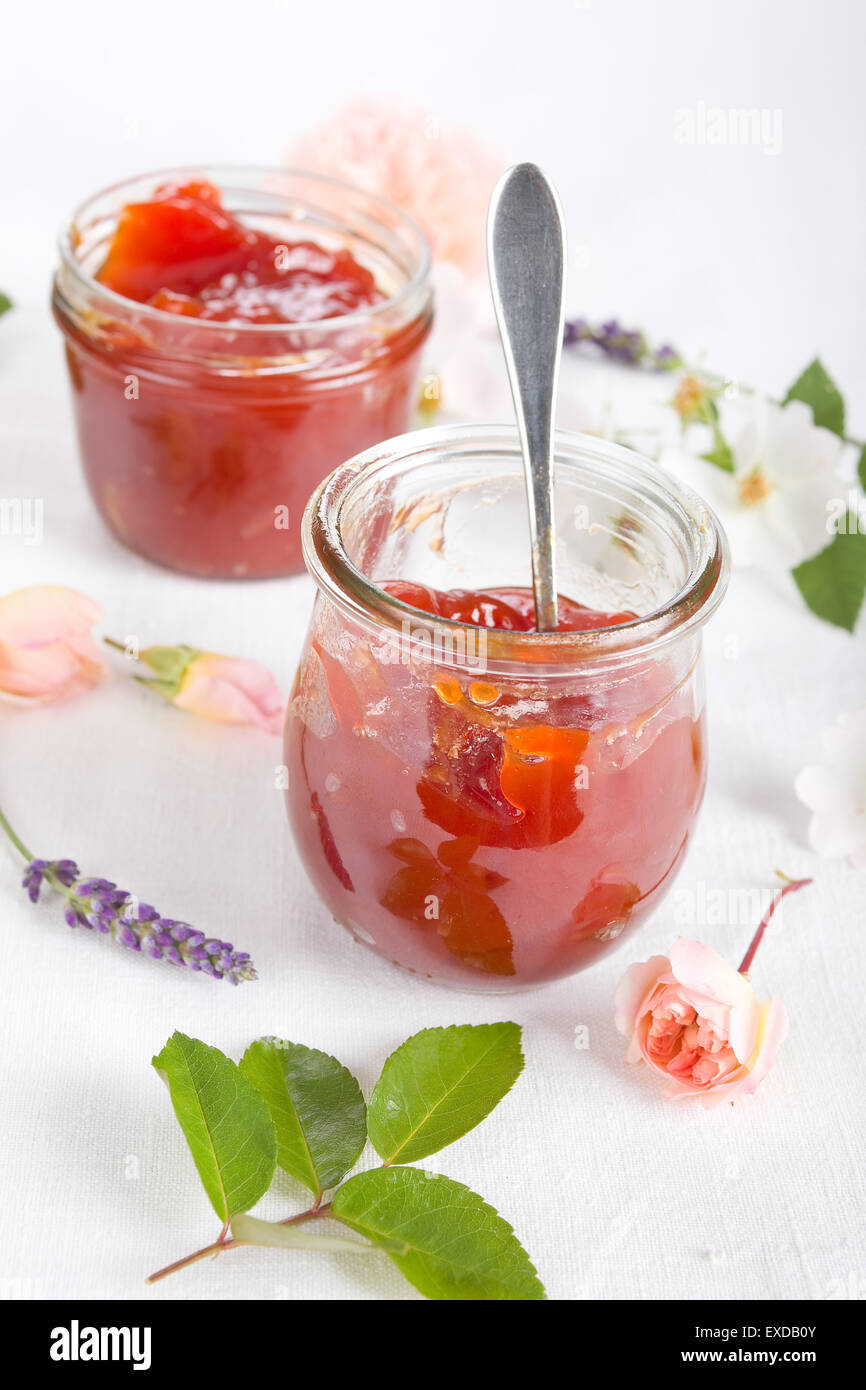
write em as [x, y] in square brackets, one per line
[489, 806]
[231, 336]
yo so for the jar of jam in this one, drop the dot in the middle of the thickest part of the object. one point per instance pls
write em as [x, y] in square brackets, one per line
[232, 335]
[489, 806]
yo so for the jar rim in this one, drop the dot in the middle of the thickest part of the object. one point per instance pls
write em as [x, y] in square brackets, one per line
[351, 590]
[421, 248]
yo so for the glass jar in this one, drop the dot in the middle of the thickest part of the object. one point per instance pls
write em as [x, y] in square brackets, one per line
[495, 809]
[201, 441]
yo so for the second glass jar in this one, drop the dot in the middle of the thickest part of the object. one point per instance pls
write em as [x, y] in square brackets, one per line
[201, 441]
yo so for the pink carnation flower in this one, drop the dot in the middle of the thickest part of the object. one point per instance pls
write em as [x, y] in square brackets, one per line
[441, 176]
[47, 651]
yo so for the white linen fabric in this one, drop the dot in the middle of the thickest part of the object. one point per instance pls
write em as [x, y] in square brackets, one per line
[615, 1191]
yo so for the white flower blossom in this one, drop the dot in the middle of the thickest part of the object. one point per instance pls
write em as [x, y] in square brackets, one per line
[776, 503]
[835, 790]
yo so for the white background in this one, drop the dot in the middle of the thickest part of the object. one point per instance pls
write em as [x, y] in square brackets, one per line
[755, 259]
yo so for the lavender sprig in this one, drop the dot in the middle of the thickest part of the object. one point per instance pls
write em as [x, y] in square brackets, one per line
[99, 905]
[625, 345]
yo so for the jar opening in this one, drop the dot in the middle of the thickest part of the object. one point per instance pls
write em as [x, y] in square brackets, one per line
[447, 507]
[292, 201]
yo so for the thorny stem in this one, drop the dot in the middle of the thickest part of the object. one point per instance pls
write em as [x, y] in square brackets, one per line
[790, 885]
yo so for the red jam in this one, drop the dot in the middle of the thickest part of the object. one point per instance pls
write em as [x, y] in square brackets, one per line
[507, 836]
[509, 610]
[201, 440]
[182, 252]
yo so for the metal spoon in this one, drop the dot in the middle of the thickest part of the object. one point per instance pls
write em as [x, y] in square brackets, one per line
[526, 261]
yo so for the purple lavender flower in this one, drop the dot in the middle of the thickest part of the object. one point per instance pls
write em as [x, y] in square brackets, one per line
[626, 345]
[667, 358]
[64, 870]
[576, 330]
[621, 344]
[99, 905]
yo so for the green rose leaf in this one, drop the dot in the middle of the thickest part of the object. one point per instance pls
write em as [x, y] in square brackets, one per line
[316, 1106]
[5, 303]
[454, 1246]
[225, 1121]
[440, 1084]
[861, 467]
[818, 390]
[833, 582]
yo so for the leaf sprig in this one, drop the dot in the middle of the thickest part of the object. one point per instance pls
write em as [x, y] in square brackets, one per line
[294, 1108]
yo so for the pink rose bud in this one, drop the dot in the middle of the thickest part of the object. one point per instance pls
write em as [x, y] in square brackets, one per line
[697, 1021]
[225, 688]
[47, 651]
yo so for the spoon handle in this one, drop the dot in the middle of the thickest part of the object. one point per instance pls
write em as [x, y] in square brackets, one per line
[526, 259]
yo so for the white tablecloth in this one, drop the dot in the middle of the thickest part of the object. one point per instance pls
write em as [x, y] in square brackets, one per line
[615, 1191]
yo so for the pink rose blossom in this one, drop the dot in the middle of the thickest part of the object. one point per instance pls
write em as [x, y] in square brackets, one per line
[440, 176]
[697, 1021]
[47, 651]
[232, 691]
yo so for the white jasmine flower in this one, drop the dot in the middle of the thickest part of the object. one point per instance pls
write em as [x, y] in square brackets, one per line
[835, 791]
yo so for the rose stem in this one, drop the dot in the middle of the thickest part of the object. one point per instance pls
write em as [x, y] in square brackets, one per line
[791, 885]
[222, 1244]
[214, 1249]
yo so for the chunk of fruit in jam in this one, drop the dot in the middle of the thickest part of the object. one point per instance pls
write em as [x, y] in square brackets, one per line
[449, 894]
[182, 252]
[329, 847]
[604, 910]
[511, 785]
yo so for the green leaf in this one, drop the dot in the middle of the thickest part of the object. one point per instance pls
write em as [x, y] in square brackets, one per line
[5, 303]
[861, 467]
[316, 1106]
[720, 454]
[226, 1123]
[440, 1084]
[252, 1231]
[833, 582]
[817, 389]
[456, 1246]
